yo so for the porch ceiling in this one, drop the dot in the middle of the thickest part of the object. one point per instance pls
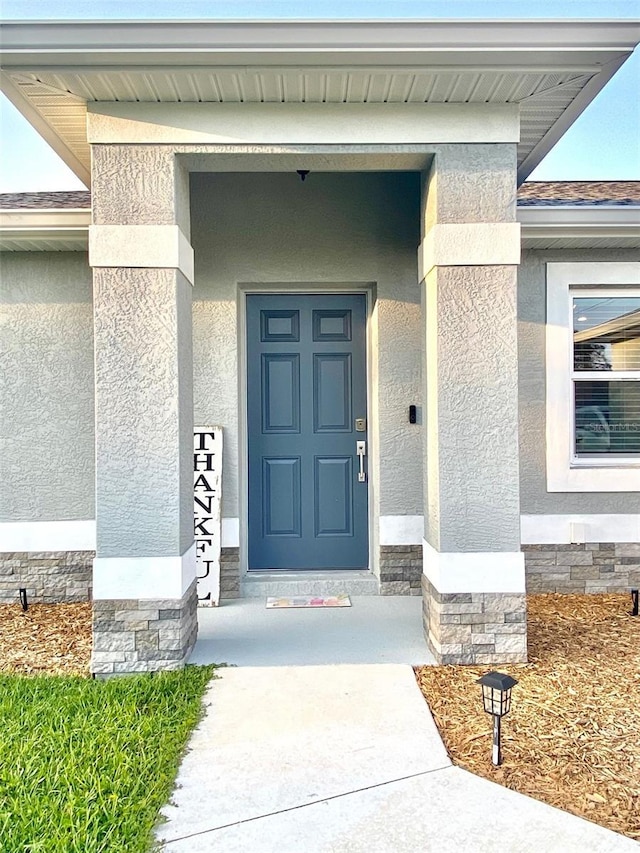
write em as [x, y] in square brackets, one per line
[552, 70]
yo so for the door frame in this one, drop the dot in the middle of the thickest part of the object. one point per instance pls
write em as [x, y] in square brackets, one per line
[312, 288]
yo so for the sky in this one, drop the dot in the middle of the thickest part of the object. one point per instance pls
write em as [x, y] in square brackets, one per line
[604, 143]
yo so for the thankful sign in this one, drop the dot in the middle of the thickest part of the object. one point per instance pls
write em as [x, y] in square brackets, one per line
[207, 493]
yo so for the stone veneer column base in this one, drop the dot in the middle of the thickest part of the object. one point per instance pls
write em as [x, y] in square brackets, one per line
[400, 569]
[50, 577]
[474, 627]
[594, 567]
[143, 635]
[229, 573]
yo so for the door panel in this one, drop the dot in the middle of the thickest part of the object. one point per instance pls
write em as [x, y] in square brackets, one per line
[281, 512]
[334, 497]
[306, 384]
[280, 393]
[332, 393]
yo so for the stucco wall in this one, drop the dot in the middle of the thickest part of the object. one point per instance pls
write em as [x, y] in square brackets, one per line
[249, 228]
[473, 447]
[534, 498]
[143, 381]
[46, 387]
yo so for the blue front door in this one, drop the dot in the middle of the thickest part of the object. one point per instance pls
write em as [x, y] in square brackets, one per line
[307, 387]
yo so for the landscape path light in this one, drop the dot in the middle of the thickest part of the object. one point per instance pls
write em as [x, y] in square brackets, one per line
[496, 696]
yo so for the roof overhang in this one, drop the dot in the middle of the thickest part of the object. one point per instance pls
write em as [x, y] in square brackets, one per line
[580, 227]
[44, 230]
[542, 228]
[551, 69]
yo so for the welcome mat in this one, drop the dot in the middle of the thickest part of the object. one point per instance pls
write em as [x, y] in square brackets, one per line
[309, 601]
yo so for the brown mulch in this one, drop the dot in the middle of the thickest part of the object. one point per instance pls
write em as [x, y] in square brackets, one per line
[47, 638]
[572, 738]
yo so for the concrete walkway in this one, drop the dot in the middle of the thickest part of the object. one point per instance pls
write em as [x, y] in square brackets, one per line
[326, 759]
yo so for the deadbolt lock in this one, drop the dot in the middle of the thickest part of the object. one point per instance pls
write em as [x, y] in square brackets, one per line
[361, 424]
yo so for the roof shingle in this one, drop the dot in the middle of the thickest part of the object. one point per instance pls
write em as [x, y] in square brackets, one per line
[557, 193]
[531, 193]
[46, 201]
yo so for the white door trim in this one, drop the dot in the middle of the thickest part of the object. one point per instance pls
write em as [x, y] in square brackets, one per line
[247, 288]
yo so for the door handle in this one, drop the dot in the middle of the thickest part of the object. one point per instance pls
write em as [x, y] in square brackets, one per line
[361, 451]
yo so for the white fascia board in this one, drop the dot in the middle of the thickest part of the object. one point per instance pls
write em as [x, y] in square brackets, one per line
[580, 214]
[22, 220]
[549, 223]
[45, 228]
[52, 42]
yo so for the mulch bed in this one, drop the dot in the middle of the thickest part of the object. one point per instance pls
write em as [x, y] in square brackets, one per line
[572, 738]
[47, 638]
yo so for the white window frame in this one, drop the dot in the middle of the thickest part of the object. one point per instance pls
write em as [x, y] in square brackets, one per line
[565, 471]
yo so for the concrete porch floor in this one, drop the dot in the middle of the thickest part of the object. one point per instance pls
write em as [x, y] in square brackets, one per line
[375, 629]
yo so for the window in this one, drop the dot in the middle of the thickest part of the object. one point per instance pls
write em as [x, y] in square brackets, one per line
[593, 377]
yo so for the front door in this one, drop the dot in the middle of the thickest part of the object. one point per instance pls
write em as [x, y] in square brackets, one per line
[307, 388]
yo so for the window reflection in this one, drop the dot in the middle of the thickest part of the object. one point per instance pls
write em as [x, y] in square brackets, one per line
[606, 338]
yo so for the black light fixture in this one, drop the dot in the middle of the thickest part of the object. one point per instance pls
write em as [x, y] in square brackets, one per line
[303, 173]
[635, 602]
[496, 696]
[22, 592]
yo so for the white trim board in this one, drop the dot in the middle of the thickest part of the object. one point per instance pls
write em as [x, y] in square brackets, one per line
[246, 289]
[567, 529]
[401, 529]
[499, 43]
[230, 532]
[554, 529]
[149, 246]
[144, 577]
[562, 475]
[301, 123]
[471, 571]
[28, 536]
[469, 244]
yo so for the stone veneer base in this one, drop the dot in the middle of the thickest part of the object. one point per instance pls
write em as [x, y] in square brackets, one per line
[400, 569]
[593, 567]
[50, 577]
[474, 628]
[143, 635]
[229, 573]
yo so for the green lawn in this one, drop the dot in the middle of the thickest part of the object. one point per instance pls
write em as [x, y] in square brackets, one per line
[85, 765]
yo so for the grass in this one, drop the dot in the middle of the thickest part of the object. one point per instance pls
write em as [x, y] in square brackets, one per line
[85, 765]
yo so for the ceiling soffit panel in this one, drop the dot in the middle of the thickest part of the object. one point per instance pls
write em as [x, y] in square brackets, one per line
[291, 85]
[60, 95]
[551, 69]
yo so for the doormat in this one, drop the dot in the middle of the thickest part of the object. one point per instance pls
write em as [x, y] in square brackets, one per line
[309, 601]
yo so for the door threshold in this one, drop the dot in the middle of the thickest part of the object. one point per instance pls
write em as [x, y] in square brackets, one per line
[305, 582]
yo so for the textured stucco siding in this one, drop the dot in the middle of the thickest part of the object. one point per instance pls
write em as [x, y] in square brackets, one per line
[46, 387]
[474, 445]
[334, 228]
[471, 183]
[143, 410]
[134, 185]
[534, 498]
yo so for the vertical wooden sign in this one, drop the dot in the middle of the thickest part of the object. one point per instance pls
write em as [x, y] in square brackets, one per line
[207, 494]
